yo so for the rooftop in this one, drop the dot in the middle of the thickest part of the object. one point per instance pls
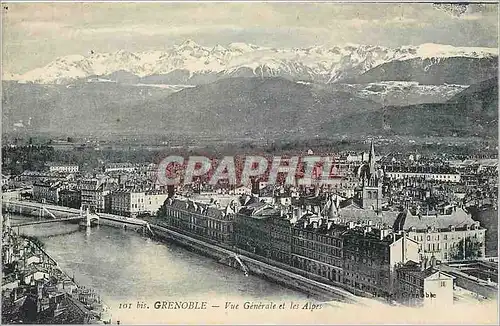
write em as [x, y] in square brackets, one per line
[458, 218]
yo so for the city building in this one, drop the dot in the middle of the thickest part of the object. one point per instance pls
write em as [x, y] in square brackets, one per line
[47, 191]
[94, 192]
[242, 190]
[70, 198]
[317, 248]
[446, 237]
[429, 172]
[62, 167]
[207, 221]
[127, 202]
[371, 256]
[133, 202]
[123, 167]
[261, 229]
[424, 284]
[154, 200]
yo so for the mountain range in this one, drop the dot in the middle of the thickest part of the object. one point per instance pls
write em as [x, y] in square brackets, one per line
[248, 91]
[192, 64]
[245, 107]
[471, 113]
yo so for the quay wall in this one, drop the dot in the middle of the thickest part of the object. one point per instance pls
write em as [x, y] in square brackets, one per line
[256, 267]
[224, 255]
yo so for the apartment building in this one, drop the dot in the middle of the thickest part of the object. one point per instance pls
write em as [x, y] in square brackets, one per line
[446, 237]
[62, 167]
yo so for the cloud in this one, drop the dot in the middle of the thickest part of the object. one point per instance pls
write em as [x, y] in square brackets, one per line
[151, 30]
[35, 33]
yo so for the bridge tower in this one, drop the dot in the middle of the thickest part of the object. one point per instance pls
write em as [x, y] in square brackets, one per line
[89, 215]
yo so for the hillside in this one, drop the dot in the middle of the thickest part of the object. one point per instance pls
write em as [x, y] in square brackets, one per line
[455, 70]
[249, 106]
[236, 106]
[68, 109]
[473, 112]
[245, 107]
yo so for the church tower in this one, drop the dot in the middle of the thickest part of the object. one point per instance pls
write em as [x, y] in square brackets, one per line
[372, 185]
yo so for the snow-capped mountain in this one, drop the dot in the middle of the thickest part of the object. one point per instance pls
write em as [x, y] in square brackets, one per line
[191, 60]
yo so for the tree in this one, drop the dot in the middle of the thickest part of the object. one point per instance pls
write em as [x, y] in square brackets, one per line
[472, 249]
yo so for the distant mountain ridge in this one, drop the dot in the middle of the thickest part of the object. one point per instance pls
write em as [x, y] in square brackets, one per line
[452, 70]
[193, 64]
[235, 106]
[242, 107]
[472, 112]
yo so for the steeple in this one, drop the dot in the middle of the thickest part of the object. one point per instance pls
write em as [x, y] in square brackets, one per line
[372, 190]
[371, 159]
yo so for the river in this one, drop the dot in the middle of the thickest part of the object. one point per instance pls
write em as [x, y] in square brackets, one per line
[125, 267]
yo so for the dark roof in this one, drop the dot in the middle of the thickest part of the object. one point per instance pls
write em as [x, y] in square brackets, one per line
[458, 218]
[356, 214]
[414, 269]
[196, 207]
[259, 210]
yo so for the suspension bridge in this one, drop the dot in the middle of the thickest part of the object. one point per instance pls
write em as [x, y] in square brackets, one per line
[51, 214]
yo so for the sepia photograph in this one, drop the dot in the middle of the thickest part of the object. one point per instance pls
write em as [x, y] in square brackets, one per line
[238, 163]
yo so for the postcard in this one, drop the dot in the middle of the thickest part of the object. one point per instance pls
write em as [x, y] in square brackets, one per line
[238, 163]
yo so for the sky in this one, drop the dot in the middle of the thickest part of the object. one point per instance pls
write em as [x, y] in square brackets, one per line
[34, 34]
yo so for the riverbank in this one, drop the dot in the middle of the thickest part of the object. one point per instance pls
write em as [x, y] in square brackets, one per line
[124, 266]
[256, 267]
[36, 290]
[226, 256]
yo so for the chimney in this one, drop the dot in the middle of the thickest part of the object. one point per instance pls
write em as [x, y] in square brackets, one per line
[330, 223]
[433, 262]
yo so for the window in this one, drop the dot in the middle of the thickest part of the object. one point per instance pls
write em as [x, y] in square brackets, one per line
[442, 284]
